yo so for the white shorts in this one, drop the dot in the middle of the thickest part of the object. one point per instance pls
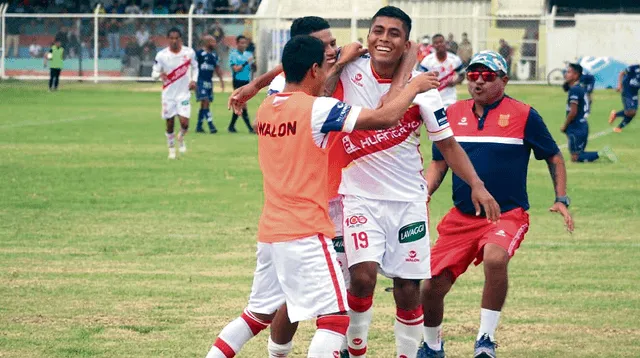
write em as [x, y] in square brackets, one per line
[172, 108]
[302, 273]
[335, 213]
[395, 234]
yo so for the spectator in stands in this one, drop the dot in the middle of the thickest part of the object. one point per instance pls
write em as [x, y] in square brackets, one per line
[13, 35]
[146, 62]
[61, 37]
[507, 52]
[465, 50]
[122, 7]
[132, 8]
[142, 35]
[146, 9]
[113, 34]
[35, 50]
[221, 7]
[234, 6]
[73, 44]
[452, 46]
[160, 9]
[131, 60]
[180, 9]
[200, 8]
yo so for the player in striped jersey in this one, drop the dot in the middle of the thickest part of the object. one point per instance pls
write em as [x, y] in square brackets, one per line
[176, 65]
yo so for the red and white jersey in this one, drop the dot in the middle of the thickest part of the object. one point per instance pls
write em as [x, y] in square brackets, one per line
[277, 84]
[387, 164]
[448, 71]
[181, 68]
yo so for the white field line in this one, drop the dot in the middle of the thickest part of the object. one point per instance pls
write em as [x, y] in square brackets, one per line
[593, 136]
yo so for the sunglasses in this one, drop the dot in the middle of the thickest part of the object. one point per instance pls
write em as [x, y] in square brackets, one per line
[487, 76]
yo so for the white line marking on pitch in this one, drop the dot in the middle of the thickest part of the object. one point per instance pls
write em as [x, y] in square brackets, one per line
[37, 123]
[591, 137]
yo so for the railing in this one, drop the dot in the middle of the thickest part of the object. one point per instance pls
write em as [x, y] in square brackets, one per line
[118, 47]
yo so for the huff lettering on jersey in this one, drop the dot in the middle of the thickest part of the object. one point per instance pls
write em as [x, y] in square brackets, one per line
[292, 133]
[508, 129]
[387, 164]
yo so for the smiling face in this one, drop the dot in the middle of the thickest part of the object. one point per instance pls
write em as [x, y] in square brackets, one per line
[440, 45]
[387, 40]
[330, 46]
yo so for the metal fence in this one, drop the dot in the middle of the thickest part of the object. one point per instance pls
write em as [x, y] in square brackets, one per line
[104, 47]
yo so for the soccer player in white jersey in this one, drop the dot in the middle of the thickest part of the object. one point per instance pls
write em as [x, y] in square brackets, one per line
[384, 191]
[176, 65]
[450, 69]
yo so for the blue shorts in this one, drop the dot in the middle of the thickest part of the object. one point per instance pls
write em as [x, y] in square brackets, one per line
[577, 140]
[630, 102]
[204, 91]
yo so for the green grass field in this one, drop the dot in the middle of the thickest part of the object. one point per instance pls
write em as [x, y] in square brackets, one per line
[107, 249]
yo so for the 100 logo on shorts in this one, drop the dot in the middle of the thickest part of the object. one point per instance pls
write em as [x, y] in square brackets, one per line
[356, 220]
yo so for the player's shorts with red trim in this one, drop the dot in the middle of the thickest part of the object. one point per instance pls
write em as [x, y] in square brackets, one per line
[173, 107]
[394, 234]
[462, 238]
[304, 273]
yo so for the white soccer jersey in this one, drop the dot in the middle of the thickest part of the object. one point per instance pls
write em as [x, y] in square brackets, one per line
[387, 164]
[176, 66]
[277, 84]
[448, 70]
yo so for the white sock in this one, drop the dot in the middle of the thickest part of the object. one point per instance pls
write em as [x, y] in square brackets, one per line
[325, 344]
[183, 132]
[488, 323]
[329, 337]
[279, 350]
[235, 335]
[361, 314]
[433, 337]
[408, 331]
[171, 142]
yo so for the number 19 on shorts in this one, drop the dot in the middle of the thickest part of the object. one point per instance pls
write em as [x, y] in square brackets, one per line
[360, 240]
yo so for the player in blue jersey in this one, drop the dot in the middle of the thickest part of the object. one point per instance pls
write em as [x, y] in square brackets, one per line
[628, 84]
[576, 126]
[498, 133]
[207, 63]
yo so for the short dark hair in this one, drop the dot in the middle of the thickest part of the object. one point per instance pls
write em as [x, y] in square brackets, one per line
[174, 29]
[396, 13]
[240, 37]
[436, 36]
[308, 25]
[576, 67]
[299, 55]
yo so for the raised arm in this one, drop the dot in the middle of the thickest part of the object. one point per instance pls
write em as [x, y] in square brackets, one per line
[388, 115]
[348, 53]
[242, 95]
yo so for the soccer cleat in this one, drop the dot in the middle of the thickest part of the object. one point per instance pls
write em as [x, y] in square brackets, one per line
[199, 130]
[183, 147]
[484, 348]
[172, 153]
[426, 352]
[617, 130]
[232, 130]
[608, 152]
[612, 116]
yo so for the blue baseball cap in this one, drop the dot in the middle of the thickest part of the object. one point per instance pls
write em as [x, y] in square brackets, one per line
[491, 59]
